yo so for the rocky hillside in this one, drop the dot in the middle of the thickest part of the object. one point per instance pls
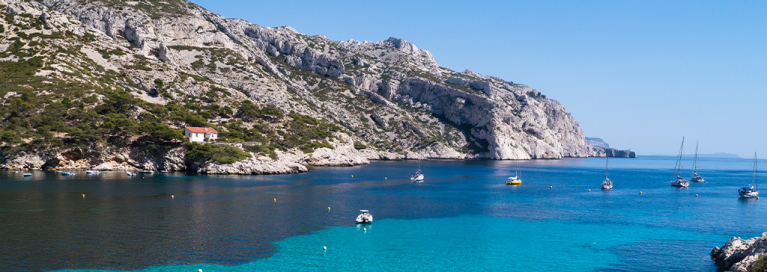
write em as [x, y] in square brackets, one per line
[123, 75]
[742, 255]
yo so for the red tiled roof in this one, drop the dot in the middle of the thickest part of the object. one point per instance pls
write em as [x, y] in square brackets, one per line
[203, 130]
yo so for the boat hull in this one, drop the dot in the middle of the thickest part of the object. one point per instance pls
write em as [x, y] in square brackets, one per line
[607, 186]
[514, 182]
[680, 184]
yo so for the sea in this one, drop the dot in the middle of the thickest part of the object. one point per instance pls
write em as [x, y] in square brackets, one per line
[461, 218]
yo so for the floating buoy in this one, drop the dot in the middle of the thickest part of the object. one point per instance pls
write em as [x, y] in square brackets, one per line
[328, 208]
[640, 192]
[551, 187]
[325, 248]
[275, 199]
[364, 229]
[352, 175]
[696, 195]
[589, 190]
[172, 196]
[83, 195]
[199, 270]
[385, 178]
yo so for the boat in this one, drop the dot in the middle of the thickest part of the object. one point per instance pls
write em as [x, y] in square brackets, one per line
[68, 173]
[15, 171]
[680, 181]
[515, 179]
[145, 172]
[91, 172]
[695, 177]
[418, 175]
[607, 184]
[27, 174]
[364, 217]
[750, 192]
[164, 171]
[130, 174]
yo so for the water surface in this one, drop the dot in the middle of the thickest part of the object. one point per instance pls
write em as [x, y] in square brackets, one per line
[462, 218]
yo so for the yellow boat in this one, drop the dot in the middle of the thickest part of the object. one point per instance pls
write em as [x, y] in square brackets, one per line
[513, 181]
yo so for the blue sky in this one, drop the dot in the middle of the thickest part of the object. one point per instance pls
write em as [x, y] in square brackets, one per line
[639, 74]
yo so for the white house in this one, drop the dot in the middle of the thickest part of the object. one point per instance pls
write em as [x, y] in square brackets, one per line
[198, 134]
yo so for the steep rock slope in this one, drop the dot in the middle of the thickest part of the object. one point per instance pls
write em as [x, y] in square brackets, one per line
[389, 97]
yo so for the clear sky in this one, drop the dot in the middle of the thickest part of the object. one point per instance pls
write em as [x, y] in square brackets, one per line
[638, 74]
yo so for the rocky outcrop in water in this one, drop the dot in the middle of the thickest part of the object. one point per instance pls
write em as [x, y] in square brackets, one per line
[741, 255]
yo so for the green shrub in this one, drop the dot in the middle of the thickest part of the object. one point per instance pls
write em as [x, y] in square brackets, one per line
[197, 154]
[358, 145]
[760, 265]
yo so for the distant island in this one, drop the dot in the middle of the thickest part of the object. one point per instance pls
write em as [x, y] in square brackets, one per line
[712, 155]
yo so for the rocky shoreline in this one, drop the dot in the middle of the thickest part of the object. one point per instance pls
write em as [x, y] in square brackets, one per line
[100, 157]
[741, 255]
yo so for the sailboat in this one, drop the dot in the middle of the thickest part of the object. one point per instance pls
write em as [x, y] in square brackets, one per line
[607, 184]
[750, 192]
[418, 175]
[680, 181]
[695, 177]
[515, 179]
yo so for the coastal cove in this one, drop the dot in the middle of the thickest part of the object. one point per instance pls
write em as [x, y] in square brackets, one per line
[461, 218]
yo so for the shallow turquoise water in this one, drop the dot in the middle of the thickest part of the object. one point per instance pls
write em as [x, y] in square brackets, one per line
[462, 243]
[462, 218]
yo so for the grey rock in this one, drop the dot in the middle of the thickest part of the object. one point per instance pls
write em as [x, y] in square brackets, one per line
[738, 254]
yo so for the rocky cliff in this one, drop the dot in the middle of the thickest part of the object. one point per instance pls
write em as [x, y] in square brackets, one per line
[742, 255]
[390, 97]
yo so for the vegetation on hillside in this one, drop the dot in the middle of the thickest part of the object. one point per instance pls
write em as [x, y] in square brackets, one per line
[53, 95]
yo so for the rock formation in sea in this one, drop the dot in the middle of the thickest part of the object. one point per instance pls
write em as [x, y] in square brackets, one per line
[742, 255]
[390, 98]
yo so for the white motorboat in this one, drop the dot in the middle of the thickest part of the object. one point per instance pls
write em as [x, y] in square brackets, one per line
[679, 181]
[27, 174]
[607, 184]
[364, 217]
[750, 192]
[130, 174]
[146, 172]
[91, 172]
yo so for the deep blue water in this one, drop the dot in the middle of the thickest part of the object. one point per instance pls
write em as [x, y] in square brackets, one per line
[462, 218]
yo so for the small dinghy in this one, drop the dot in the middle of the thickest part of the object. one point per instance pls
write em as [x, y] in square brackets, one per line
[91, 172]
[364, 217]
[68, 173]
[130, 174]
[145, 172]
[27, 174]
[164, 171]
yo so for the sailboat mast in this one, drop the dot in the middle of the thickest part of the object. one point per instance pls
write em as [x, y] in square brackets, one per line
[607, 161]
[695, 161]
[753, 177]
[678, 164]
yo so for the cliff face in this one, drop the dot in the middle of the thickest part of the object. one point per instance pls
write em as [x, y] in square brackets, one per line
[389, 96]
[741, 255]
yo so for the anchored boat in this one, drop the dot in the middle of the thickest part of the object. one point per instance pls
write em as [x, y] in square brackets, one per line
[695, 177]
[607, 184]
[515, 180]
[364, 217]
[418, 175]
[680, 181]
[750, 192]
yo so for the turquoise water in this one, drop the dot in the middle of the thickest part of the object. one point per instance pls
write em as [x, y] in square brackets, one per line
[455, 244]
[462, 218]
